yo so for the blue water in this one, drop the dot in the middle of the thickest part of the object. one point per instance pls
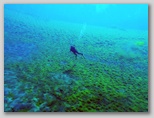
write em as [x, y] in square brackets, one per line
[110, 72]
[134, 16]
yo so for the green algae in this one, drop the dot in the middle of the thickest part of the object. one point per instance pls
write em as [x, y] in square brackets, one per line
[140, 43]
[95, 86]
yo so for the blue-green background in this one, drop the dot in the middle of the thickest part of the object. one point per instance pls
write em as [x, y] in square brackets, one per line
[41, 74]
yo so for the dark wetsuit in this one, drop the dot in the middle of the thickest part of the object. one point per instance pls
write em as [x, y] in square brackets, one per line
[75, 52]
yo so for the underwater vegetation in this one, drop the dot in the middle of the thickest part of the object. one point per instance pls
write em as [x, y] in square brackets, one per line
[41, 75]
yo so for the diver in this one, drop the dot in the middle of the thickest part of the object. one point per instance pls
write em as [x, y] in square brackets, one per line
[75, 52]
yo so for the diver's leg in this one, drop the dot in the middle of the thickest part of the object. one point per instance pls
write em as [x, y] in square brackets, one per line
[81, 54]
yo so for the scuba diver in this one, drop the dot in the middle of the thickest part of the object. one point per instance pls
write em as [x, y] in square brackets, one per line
[75, 52]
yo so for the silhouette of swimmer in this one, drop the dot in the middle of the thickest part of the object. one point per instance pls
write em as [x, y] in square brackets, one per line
[75, 52]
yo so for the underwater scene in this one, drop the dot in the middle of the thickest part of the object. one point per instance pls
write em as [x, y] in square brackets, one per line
[76, 58]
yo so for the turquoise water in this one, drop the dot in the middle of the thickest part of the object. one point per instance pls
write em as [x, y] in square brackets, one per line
[109, 73]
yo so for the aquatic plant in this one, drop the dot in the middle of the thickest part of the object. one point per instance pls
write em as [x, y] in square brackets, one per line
[107, 80]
